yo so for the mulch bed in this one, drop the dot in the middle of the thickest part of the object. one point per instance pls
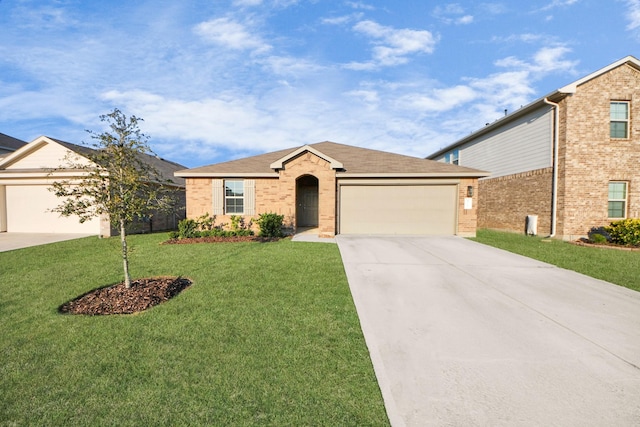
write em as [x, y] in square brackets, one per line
[117, 299]
[586, 242]
[212, 239]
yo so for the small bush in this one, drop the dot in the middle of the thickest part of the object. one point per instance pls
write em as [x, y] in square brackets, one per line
[204, 226]
[270, 224]
[625, 232]
[188, 228]
[599, 235]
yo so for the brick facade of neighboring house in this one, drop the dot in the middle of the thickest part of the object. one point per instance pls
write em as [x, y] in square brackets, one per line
[332, 174]
[597, 172]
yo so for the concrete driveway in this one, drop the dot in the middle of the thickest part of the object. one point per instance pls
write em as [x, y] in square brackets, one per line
[462, 334]
[11, 241]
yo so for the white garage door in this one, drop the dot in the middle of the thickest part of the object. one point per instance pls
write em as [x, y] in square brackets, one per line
[27, 212]
[398, 209]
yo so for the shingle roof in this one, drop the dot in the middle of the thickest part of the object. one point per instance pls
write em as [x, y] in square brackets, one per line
[9, 142]
[164, 167]
[355, 160]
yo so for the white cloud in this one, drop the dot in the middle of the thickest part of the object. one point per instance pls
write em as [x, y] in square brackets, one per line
[441, 100]
[360, 5]
[341, 20]
[545, 61]
[633, 14]
[231, 34]
[247, 2]
[452, 13]
[393, 46]
[558, 3]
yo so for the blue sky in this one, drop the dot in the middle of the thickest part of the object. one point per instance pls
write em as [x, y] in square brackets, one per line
[217, 80]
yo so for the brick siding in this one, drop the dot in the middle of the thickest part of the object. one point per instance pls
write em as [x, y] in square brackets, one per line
[505, 202]
[589, 158]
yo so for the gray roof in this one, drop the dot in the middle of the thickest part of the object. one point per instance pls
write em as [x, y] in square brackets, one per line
[10, 143]
[355, 161]
[164, 167]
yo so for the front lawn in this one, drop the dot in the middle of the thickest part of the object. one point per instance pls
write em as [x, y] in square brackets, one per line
[615, 266]
[266, 335]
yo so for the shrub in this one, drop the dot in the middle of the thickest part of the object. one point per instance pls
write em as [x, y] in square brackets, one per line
[270, 224]
[204, 226]
[188, 228]
[599, 235]
[625, 232]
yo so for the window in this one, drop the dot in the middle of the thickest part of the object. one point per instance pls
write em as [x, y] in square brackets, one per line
[233, 197]
[619, 114]
[452, 157]
[617, 200]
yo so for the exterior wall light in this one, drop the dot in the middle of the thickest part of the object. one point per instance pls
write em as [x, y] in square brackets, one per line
[470, 191]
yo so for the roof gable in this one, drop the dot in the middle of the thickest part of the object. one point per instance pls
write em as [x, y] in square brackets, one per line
[43, 153]
[279, 164]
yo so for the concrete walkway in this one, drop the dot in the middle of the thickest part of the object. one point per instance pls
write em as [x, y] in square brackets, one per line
[462, 334]
[11, 241]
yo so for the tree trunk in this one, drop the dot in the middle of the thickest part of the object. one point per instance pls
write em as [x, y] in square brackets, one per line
[125, 255]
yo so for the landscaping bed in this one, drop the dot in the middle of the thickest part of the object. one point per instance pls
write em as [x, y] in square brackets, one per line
[118, 299]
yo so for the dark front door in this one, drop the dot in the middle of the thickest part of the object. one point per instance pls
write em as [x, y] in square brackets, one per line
[307, 202]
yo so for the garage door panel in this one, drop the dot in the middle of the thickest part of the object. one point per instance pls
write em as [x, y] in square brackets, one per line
[28, 211]
[398, 209]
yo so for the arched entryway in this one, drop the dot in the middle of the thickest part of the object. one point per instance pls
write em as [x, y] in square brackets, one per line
[307, 201]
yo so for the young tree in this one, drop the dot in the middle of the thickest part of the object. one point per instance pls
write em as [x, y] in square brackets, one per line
[118, 182]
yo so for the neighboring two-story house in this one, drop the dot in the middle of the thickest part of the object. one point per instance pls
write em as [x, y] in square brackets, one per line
[571, 158]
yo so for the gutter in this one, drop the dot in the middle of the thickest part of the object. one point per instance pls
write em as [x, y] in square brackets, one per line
[556, 137]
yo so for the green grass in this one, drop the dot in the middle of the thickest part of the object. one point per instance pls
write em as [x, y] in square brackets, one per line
[266, 335]
[615, 266]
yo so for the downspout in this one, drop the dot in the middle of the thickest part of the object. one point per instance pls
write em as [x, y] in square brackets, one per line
[556, 137]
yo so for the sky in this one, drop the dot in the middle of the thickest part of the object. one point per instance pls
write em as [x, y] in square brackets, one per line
[222, 79]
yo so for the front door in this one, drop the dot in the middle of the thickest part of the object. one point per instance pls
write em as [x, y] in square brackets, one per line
[307, 202]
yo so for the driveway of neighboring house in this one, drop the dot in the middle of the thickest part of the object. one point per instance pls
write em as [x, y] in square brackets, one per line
[11, 241]
[465, 334]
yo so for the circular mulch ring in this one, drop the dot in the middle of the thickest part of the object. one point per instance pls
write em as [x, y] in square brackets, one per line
[117, 299]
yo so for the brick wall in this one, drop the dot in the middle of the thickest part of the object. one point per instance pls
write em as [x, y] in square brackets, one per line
[276, 195]
[505, 202]
[589, 158]
[467, 218]
[310, 164]
[199, 197]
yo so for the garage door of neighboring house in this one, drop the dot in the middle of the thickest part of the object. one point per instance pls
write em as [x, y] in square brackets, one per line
[27, 212]
[398, 209]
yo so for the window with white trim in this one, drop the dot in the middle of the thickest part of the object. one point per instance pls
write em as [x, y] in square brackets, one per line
[617, 199]
[233, 197]
[452, 157]
[619, 119]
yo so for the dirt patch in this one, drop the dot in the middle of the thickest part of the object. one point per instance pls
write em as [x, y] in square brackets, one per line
[117, 299]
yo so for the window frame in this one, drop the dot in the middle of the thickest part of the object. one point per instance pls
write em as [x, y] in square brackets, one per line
[452, 157]
[626, 121]
[234, 196]
[624, 200]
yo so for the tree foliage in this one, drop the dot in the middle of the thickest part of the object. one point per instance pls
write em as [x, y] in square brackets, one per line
[118, 181]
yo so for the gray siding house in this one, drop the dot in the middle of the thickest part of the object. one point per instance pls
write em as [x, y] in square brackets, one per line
[570, 158]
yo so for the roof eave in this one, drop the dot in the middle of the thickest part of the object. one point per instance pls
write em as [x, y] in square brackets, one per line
[466, 174]
[185, 174]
